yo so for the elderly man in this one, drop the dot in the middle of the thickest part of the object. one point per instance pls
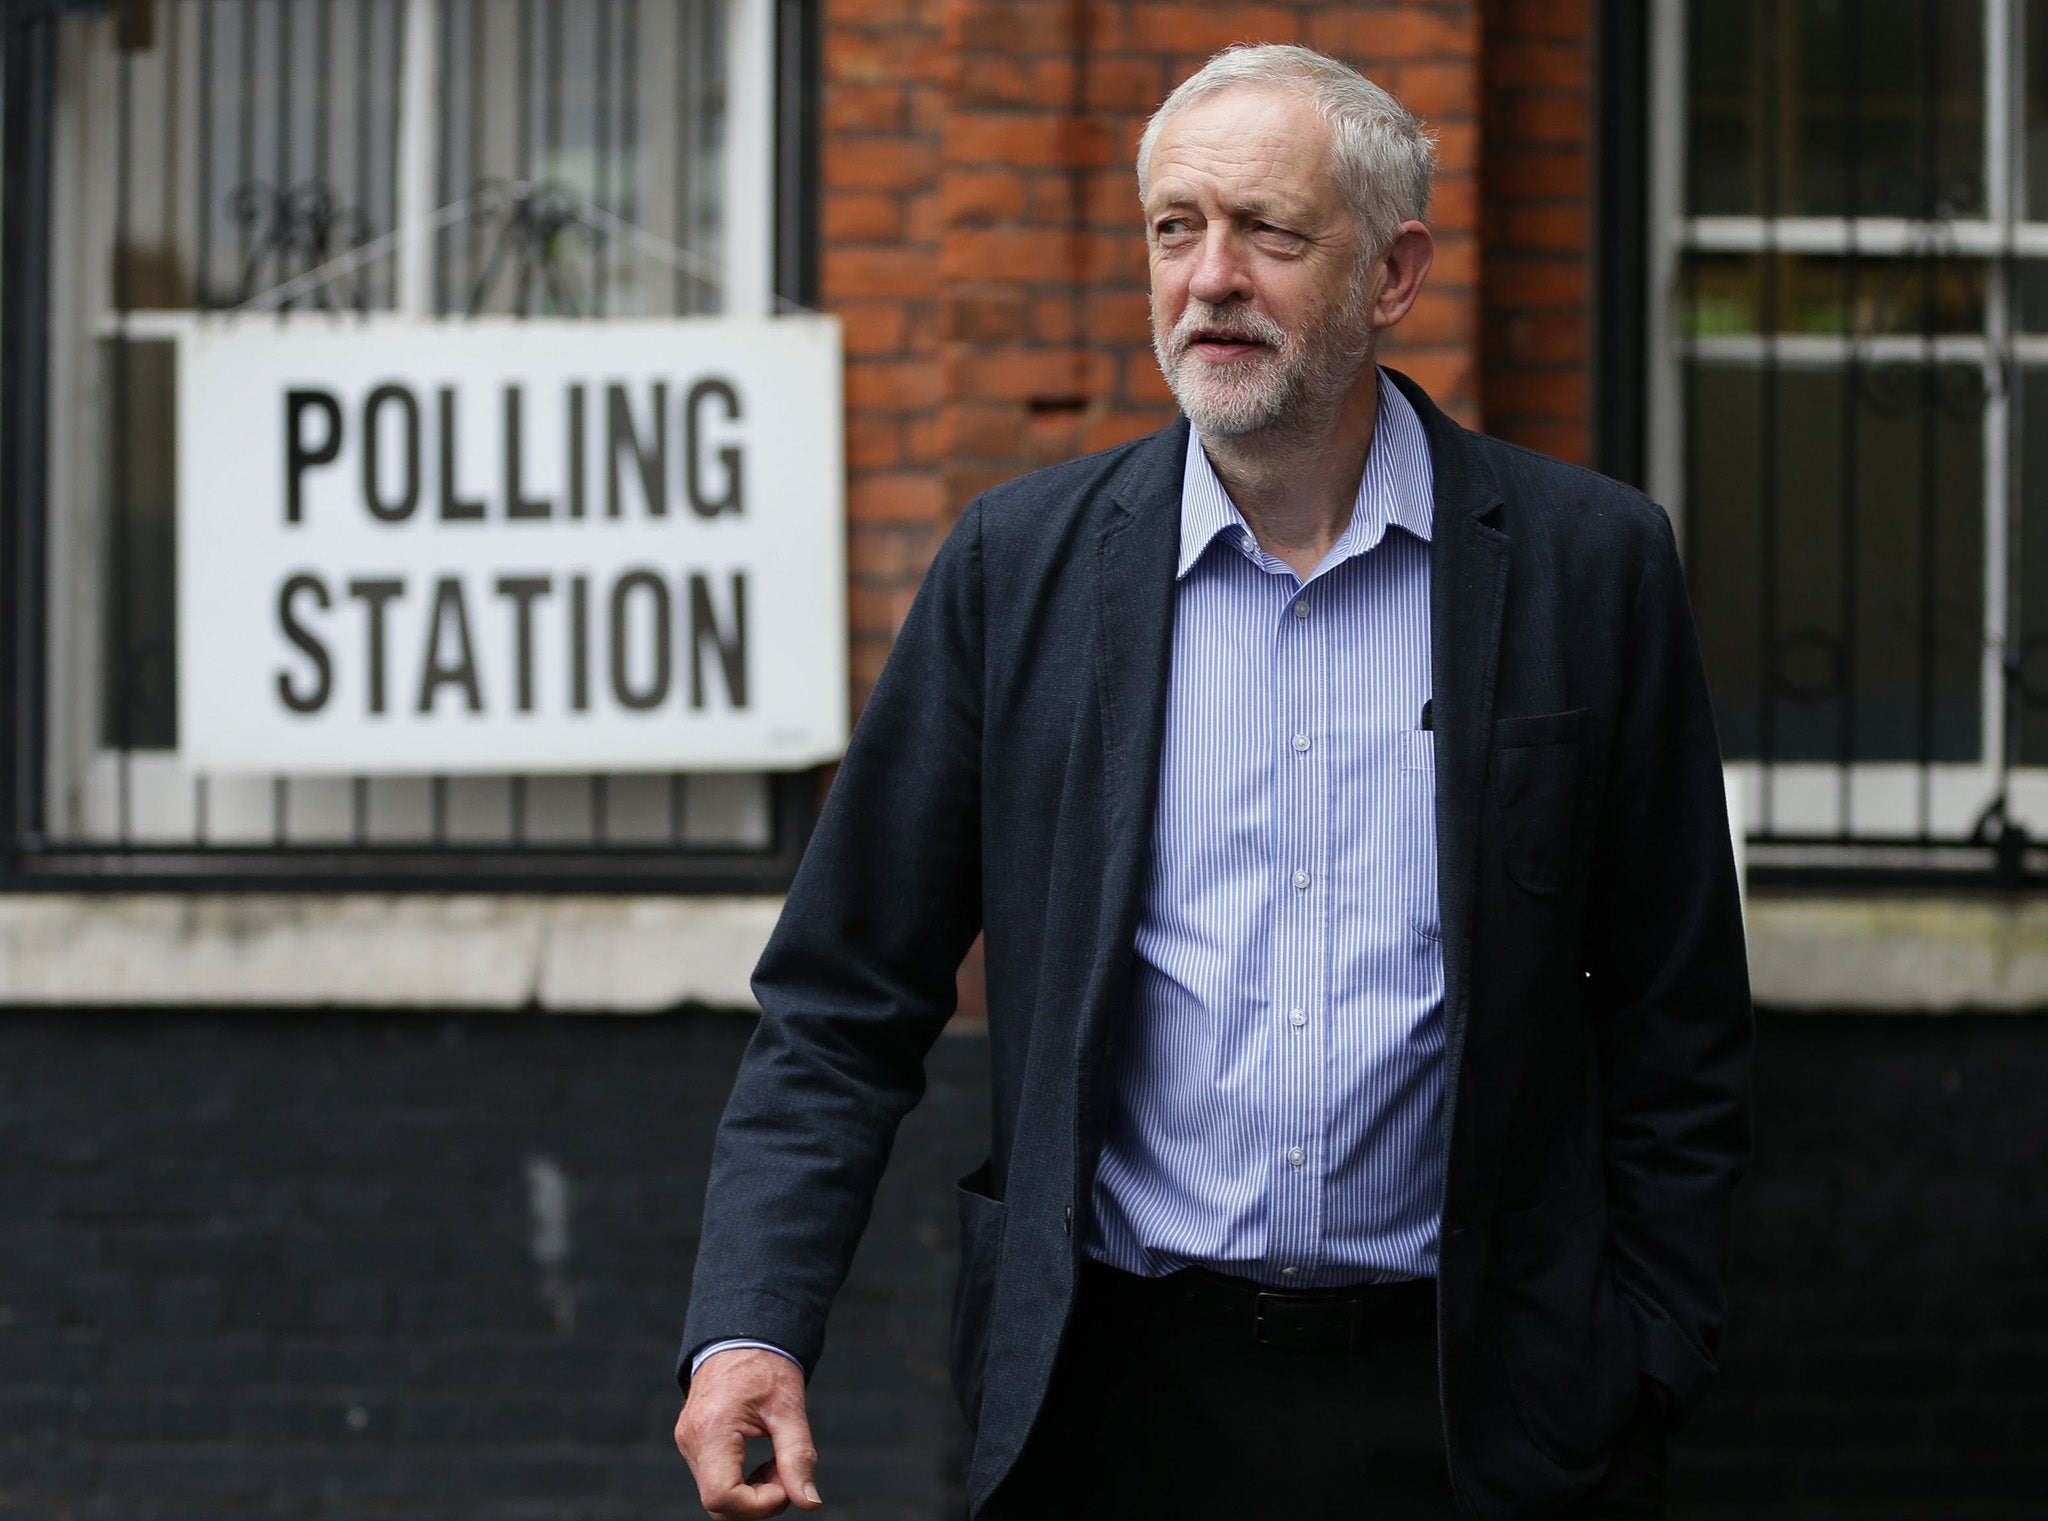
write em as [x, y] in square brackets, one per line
[1338, 795]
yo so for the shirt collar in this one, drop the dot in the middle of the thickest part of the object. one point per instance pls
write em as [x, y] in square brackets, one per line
[1395, 489]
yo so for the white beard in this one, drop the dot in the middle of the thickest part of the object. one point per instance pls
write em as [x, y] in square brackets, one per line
[1294, 386]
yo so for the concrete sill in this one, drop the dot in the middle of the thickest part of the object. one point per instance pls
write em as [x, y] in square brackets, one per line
[567, 954]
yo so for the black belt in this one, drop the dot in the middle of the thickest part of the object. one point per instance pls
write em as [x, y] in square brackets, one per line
[1329, 1320]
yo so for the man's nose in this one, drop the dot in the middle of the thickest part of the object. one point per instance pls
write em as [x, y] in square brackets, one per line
[1220, 271]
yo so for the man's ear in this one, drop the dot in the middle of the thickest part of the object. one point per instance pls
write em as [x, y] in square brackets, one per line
[1403, 268]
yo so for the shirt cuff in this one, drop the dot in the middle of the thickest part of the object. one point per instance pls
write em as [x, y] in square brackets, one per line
[728, 1346]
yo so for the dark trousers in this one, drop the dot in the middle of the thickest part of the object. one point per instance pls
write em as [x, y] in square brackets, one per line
[1162, 1410]
[1159, 1408]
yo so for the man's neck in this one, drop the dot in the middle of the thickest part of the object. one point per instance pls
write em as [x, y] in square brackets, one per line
[1297, 487]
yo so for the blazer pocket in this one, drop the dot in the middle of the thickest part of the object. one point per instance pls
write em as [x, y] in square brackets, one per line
[981, 1248]
[1536, 796]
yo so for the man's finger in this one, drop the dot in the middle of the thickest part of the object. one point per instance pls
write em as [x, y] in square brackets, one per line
[716, 1459]
[796, 1456]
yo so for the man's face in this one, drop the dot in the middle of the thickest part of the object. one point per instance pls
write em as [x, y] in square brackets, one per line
[1261, 299]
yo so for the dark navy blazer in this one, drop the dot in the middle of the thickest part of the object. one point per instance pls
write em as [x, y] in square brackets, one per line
[1002, 781]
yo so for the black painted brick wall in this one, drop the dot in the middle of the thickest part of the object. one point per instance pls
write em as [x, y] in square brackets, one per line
[269, 1266]
[285, 1265]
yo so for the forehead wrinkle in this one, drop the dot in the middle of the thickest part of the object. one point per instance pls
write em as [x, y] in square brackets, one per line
[1260, 165]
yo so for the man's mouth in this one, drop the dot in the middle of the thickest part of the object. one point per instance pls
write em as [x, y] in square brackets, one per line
[1215, 345]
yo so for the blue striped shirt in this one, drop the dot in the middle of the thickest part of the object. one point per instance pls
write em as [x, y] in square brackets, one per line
[1278, 1103]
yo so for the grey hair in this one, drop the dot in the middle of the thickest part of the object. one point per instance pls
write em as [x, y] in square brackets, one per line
[1386, 161]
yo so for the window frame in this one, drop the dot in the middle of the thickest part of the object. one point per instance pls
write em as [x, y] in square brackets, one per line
[762, 252]
[1873, 802]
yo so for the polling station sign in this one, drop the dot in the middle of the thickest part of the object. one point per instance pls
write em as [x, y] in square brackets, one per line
[498, 546]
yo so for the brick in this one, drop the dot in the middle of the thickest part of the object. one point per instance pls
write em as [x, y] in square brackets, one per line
[872, 327]
[1554, 338]
[1565, 440]
[904, 385]
[1164, 26]
[969, 196]
[1030, 139]
[894, 497]
[1454, 202]
[877, 13]
[1120, 424]
[983, 314]
[1439, 91]
[1539, 281]
[1010, 253]
[1370, 37]
[986, 428]
[862, 217]
[1554, 119]
[1457, 146]
[1124, 84]
[1143, 382]
[1051, 319]
[1523, 62]
[1117, 317]
[1438, 318]
[1515, 172]
[882, 57]
[1553, 18]
[879, 610]
[1032, 374]
[1021, 26]
[882, 163]
[855, 108]
[925, 439]
[873, 442]
[1109, 199]
[1541, 393]
[1565, 229]
[1456, 264]
[924, 221]
[877, 271]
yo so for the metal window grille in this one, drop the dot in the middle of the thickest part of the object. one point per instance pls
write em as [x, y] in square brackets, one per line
[169, 158]
[1847, 239]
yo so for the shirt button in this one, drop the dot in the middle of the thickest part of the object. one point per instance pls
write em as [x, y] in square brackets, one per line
[1301, 608]
[1289, 1272]
[1301, 744]
[1297, 1018]
[1301, 881]
[1297, 1156]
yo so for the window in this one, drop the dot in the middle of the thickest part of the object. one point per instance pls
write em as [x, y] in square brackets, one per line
[397, 160]
[1849, 386]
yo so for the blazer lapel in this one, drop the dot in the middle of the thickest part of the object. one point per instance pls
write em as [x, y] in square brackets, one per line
[1468, 591]
[1135, 557]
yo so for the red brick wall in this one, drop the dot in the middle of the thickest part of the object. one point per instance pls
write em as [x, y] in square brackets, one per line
[1536, 178]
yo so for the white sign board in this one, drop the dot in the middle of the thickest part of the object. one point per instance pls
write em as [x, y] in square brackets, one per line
[497, 546]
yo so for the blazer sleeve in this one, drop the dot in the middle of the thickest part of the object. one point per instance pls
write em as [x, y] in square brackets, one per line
[1669, 989]
[856, 982]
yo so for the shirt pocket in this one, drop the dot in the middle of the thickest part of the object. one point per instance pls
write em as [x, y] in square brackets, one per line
[1416, 808]
[1536, 797]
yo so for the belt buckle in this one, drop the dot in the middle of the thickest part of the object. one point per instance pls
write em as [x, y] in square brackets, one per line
[1310, 1324]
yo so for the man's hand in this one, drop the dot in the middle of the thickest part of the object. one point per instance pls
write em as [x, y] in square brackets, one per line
[748, 1392]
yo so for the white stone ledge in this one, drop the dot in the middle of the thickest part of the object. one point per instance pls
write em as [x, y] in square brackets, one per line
[578, 954]
[1884, 953]
[570, 954]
